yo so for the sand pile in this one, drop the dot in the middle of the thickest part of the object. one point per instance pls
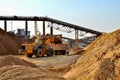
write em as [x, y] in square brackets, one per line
[18, 72]
[106, 70]
[9, 44]
[75, 50]
[11, 61]
[13, 68]
[100, 61]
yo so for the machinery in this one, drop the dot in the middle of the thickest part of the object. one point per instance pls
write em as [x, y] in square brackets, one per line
[47, 45]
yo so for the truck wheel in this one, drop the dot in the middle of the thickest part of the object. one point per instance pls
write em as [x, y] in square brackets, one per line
[39, 53]
[63, 52]
[29, 55]
[49, 52]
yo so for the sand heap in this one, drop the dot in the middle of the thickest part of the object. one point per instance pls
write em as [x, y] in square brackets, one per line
[11, 61]
[100, 61]
[13, 68]
[9, 44]
[75, 50]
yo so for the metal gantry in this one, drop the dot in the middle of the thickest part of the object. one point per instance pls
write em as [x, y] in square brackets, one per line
[53, 24]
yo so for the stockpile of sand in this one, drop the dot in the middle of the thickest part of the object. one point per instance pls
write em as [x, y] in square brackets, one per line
[9, 44]
[100, 61]
[13, 68]
[75, 50]
[18, 72]
[10, 60]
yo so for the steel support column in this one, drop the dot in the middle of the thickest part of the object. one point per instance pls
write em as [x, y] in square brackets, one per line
[76, 38]
[5, 25]
[51, 29]
[36, 29]
[43, 28]
[26, 29]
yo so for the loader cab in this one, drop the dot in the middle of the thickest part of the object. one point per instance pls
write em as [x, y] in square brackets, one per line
[23, 47]
[26, 49]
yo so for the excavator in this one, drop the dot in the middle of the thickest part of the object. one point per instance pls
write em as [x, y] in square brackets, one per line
[47, 45]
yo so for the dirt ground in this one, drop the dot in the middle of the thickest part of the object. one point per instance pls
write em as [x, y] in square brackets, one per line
[59, 64]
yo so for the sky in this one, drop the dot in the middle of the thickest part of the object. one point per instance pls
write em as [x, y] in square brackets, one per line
[100, 15]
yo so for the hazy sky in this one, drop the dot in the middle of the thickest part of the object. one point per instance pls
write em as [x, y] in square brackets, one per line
[100, 15]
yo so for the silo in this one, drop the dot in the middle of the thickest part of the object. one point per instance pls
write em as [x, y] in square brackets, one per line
[21, 32]
[28, 34]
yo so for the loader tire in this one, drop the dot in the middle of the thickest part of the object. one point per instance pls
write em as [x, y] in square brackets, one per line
[39, 53]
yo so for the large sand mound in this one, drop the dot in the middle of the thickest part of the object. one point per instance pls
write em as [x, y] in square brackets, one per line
[9, 44]
[26, 73]
[11, 60]
[100, 61]
[13, 68]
